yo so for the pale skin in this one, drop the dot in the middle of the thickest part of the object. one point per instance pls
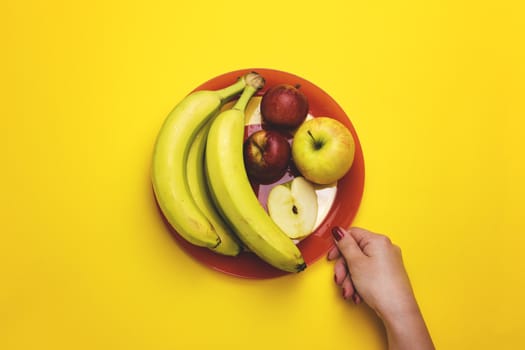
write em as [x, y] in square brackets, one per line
[369, 267]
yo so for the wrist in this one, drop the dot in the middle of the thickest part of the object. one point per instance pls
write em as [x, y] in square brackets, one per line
[403, 310]
[407, 330]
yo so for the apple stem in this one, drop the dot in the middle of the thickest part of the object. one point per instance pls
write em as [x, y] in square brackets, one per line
[317, 144]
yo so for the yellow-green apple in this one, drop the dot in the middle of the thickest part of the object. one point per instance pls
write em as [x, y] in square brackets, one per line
[284, 106]
[293, 207]
[266, 156]
[323, 150]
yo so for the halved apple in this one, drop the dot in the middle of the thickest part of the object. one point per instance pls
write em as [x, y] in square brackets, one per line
[293, 207]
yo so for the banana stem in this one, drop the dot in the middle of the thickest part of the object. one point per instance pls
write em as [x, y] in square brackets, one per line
[232, 90]
[254, 82]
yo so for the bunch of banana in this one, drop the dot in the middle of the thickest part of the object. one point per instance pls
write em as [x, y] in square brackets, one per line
[200, 182]
[170, 167]
[233, 194]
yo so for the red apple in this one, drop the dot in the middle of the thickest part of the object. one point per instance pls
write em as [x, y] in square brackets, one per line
[266, 156]
[285, 106]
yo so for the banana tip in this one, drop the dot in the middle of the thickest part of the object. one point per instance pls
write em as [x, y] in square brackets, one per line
[301, 267]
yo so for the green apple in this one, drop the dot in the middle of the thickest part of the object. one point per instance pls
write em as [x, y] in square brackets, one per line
[293, 207]
[323, 150]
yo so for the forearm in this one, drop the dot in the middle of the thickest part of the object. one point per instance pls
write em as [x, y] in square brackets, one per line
[408, 332]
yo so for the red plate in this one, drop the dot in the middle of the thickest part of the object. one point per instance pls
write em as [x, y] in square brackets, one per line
[346, 203]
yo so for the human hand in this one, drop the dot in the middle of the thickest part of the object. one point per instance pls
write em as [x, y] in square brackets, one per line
[368, 266]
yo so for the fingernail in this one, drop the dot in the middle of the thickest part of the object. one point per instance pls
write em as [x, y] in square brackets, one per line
[338, 233]
[344, 293]
[335, 278]
[354, 298]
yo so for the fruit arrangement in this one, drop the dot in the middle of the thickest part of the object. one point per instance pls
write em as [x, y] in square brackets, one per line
[205, 167]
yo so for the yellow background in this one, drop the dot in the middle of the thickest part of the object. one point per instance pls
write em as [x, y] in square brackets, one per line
[435, 90]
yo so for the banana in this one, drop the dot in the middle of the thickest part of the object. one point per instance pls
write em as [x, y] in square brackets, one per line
[170, 156]
[233, 193]
[199, 189]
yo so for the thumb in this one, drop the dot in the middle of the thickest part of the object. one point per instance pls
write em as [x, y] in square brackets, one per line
[347, 244]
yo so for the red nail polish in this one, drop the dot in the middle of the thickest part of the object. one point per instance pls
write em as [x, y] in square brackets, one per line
[335, 278]
[338, 233]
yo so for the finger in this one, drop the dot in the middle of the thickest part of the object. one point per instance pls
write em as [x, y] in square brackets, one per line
[357, 298]
[367, 240]
[360, 234]
[348, 287]
[333, 253]
[340, 271]
[347, 244]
